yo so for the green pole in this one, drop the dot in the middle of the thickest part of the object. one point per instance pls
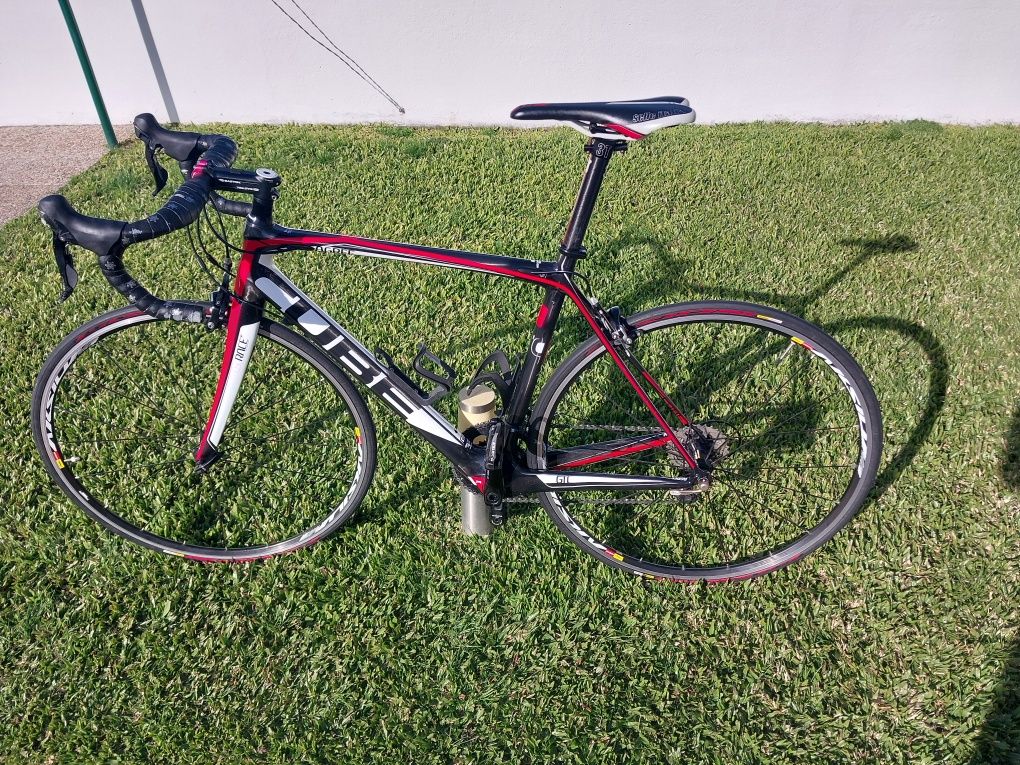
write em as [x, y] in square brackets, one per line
[90, 77]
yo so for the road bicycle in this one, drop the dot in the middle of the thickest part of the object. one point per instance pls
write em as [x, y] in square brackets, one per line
[696, 441]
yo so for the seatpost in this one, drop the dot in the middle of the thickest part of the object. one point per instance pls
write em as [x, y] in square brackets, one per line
[599, 154]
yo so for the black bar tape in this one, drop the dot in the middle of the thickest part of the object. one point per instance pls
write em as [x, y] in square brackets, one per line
[109, 238]
[181, 209]
[185, 205]
[117, 275]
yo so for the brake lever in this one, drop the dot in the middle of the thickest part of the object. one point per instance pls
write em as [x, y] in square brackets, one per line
[65, 265]
[159, 173]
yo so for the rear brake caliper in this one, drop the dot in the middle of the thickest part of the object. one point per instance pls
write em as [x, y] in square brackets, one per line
[621, 333]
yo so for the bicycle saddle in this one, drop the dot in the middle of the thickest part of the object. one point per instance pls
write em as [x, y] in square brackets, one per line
[627, 120]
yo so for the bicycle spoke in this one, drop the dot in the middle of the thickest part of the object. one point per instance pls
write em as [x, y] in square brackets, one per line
[195, 403]
[275, 403]
[778, 485]
[320, 476]
[794, 432]
[68, 447]
[155, 353]
[157, 412]
[782, 422]
[769, 509]
[742, 389]
[137, 466]
[123, 374]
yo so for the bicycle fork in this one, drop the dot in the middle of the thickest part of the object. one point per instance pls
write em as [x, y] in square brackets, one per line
[242, 329]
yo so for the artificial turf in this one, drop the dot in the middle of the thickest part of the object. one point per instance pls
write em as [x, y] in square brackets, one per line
[399, 639]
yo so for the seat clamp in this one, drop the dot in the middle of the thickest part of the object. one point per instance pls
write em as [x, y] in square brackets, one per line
[601, 147]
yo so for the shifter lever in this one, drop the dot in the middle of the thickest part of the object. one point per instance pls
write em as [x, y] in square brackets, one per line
[65, 265]
[159, 173]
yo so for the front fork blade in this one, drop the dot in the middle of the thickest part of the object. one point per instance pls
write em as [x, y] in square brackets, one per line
[206, 458]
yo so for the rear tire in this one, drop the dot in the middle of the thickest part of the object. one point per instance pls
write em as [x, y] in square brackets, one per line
[118, 411]
[786, 421]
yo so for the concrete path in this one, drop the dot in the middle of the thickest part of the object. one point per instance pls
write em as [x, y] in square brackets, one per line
[36, 160]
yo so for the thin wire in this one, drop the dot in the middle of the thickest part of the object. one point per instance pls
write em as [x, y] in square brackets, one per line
[205, 250]
[227, 246]
[347, 57]
[349, 62]
[222, 235]
[223, 230]
[583, 278]
[198, 258]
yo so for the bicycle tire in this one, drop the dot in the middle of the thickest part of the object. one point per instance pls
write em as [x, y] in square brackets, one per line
[695, 351]
[125, 390]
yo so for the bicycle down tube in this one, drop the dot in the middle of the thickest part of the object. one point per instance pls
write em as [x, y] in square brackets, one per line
[259, 271]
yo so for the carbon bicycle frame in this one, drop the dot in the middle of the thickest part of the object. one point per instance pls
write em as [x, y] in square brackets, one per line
[260, 280]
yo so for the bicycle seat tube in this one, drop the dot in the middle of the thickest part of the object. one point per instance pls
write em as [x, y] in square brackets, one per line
[571, 250]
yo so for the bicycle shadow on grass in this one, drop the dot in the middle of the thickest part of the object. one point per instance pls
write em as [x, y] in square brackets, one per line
[799, 304]
[670, 272]
[912, 335]
[913, 348]
[999, 740]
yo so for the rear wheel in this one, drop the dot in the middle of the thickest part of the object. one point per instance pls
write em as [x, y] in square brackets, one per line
[120, 406]
[779, 414]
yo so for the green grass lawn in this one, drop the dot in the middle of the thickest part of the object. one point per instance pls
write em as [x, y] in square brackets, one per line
[400, 640]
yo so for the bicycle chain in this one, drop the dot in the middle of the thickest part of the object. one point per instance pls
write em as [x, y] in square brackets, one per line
[608, 428]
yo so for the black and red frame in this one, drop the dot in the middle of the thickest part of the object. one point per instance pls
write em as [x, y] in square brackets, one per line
[495, 469]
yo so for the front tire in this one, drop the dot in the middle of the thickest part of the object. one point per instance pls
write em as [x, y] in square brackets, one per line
[784, 419]
[118, 411]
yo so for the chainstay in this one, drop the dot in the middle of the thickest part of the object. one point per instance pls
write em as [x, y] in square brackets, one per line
[603, 429]
[534, 500]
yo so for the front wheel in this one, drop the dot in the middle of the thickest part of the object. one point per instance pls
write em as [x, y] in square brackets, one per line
[120, 406]
[778, 414]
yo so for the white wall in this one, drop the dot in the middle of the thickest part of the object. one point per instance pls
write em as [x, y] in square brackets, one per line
[471, 61]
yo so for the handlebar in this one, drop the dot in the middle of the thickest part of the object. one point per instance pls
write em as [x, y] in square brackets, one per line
[200, 156]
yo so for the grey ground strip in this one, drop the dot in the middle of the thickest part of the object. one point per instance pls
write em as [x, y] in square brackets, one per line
[36, 160]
